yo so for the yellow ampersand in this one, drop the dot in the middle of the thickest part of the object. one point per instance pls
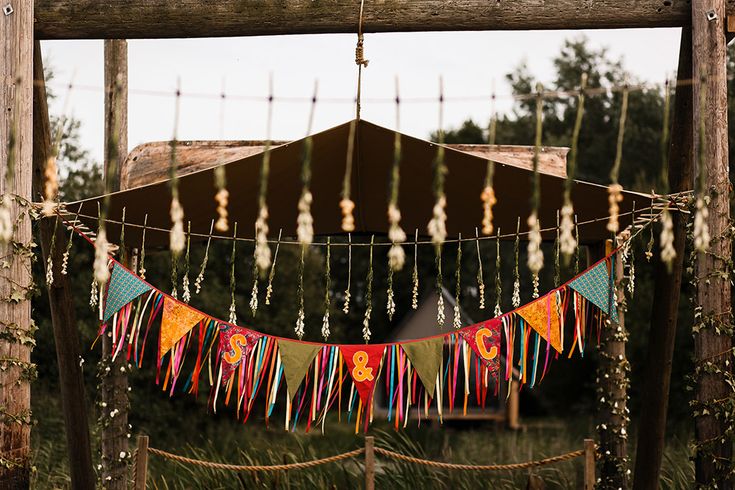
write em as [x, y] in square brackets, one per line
[361, 372]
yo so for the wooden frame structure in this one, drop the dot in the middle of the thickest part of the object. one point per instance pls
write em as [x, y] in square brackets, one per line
[704, 22]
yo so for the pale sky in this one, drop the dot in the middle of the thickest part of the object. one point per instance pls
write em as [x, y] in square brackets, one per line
[469, 62]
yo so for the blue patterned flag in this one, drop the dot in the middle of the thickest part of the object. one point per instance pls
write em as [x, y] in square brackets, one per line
[596, 287]
[124, 287]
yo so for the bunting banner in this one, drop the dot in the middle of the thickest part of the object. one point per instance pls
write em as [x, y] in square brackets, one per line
[363, 363]
[296, 358]
[318, 375]
[484, 340]
[542, 315]
[177, 320]
[235, 344]
[426, 357]
[124, 287]
[596, 286]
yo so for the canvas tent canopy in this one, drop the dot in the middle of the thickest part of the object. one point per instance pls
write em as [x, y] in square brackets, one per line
[371, 169]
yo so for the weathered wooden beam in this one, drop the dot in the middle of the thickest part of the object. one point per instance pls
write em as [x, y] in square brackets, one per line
[136, 19]
[667, 290]
[713, 329]
[114, 383]
[150, 162]
[16, 282]
[61, 301]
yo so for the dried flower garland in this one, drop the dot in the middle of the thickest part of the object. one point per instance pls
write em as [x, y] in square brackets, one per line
[347, 205]
[233, 307]
[262, 250]
[488, 191]
[390, 305]
[327, 287]
[457, 318]
[200, 277]
[437, 227]
[272, 273]
[346, 306]
[498, 282]
[49, 260]
[567, 241]
[186, 293]
[177, 239]
[668, 252]
[535, 254]
[440, 314]
[396, 235]
[480, 276]
[516, 298]
[67, 249]
[366, 333]
[256, 273]
[415, 273]
[305, 221]
[615, 190]
[300, 318]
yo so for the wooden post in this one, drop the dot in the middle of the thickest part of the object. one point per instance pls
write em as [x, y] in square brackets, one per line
[141, 463]
[115, 381]
[369, 463]
[612, 390]
[589, 464]
[667, 289]
[713, 323]
[61, 303]
[511, 408]
[16, 283]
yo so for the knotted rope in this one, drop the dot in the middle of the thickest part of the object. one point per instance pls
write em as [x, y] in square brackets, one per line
[360, 60]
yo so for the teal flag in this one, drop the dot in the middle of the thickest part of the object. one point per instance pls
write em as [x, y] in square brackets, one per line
[124, 287]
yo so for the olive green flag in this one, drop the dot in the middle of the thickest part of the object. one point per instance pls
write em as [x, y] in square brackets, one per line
[426, 357]
[296, 358]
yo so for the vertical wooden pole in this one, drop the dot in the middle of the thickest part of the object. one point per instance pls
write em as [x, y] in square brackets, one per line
[612, 389]
[115, 381]
[16, 339]
[589, 464]
[141, 463]
[61, 303]
[369, 463]
[713, 323]
[667, 289]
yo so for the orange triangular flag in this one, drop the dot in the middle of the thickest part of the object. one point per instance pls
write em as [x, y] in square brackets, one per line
[543, 316]
[176, 321]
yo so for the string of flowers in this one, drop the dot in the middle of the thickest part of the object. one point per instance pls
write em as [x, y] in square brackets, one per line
[174, 275]
[438, 225]
[305, 220]
[346, 306]
[272, 273]
[49, 260]
[498, 282]
[327, 287]
[568, 242]
[177, 240]
[488, 191]
[440, 315]
[347, 205]
[366, 333]
[299, 328]
[256, 274]
[233, 307]
[262, 250]
[701, 233]
[67, 249]
[141, 270]
[186, 294]
[615, 190]
[668, 252]
[390, 306]
[535, 254]
[415, 272]
[396, 235]
[200, 277]
[457, 319]
[516, 298]
[480, 277]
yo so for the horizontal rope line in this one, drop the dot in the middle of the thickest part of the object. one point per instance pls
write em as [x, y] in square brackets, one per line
[236, 467]
[475, 467]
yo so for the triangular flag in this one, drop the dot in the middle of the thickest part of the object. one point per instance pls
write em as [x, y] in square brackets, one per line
[543, 316]
[296, 358]
[363, 363]
[235, 344]
[123, 288]
[176, 321]
[426, 357]
[596, 287]
[484, 339]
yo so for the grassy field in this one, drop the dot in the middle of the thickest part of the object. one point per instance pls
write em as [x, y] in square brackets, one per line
[193, 433]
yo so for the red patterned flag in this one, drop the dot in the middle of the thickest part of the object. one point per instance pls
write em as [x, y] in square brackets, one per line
[484, 339]
[363, 364]
[235, 344]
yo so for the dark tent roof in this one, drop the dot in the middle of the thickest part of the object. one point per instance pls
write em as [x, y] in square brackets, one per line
[372, 161]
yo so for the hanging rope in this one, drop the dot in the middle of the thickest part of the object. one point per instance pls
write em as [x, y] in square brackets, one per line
[360, 59]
